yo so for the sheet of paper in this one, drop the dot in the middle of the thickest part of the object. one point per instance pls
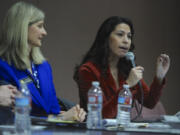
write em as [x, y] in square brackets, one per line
[170, 118]
[58, 120]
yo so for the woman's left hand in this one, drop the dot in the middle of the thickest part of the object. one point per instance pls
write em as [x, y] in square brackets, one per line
[162, 66]
[80, 113]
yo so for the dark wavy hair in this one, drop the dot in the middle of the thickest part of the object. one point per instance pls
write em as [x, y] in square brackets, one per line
[99, 51]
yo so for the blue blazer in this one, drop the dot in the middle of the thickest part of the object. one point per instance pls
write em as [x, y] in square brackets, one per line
[44, 100]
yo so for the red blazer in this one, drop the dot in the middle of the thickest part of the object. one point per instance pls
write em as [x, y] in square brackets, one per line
[89, 72]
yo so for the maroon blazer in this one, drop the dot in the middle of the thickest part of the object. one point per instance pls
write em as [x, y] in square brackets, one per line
[89, 72]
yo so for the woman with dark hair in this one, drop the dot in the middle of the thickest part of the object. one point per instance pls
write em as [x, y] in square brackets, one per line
[105, 62]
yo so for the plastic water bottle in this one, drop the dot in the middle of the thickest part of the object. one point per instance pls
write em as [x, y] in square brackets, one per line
[22, 111]
[94, 118]
[124, 107]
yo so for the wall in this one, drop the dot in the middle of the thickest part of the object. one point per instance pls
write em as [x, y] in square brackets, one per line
[72, 27]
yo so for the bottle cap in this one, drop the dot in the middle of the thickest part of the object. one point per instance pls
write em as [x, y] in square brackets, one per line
[95, 83]
[126, 86]
[21, 81]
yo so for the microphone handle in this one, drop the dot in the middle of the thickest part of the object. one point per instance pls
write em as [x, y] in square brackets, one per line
[142, 92]
[133, 63]
[142, 96]
[140, 84]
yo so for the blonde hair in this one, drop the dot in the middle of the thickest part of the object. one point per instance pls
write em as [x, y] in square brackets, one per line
[14, 46]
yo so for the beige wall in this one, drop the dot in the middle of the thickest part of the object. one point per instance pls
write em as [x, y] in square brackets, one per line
[72, 26]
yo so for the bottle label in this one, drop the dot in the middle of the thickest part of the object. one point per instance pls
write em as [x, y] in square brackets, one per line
[23, 101]
[100, 99]
[121, 100]
[125, 100]
[128, 101]
[93, 99]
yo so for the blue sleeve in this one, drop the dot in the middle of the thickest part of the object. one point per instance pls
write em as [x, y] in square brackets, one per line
[55, 108]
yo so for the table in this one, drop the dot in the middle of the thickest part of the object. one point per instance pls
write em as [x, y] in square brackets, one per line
[44, 128]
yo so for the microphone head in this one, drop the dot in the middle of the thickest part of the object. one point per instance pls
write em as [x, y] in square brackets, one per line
[130, 56]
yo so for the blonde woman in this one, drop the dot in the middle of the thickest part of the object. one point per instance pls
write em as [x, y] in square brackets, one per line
[21, 59]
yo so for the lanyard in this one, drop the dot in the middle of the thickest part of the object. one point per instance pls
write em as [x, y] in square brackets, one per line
[35, 74]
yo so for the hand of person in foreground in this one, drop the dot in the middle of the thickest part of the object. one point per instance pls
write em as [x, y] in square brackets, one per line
[7, 95]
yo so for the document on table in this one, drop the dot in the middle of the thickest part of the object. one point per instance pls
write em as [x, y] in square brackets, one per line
[58, 120]
[112, 122]
[170, 118]
[155, 127]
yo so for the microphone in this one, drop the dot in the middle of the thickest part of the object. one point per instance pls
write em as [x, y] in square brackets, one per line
[130, 56]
